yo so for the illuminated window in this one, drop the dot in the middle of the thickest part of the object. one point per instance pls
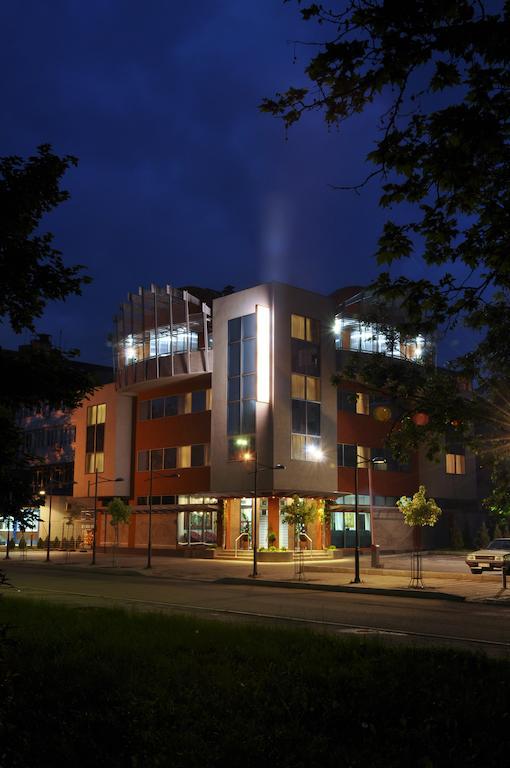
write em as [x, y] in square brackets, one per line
[184, 456]
[455, 464]
[304, 328]
[95, 436]
[241, 382]
[362, 403]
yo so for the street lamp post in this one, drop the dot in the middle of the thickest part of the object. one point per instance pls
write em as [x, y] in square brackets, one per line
[48, 542]
[96, 482]
[252, 456]
[359, 460]
[149, 537]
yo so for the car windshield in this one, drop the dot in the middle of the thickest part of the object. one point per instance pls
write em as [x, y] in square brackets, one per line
[499, 544]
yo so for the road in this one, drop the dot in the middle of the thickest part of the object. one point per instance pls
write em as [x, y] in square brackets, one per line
[432, 622]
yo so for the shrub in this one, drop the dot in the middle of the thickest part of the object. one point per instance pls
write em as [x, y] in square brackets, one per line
[22, 544]
[40, 543]
[56, 542]
[11, 544]
[331, 546]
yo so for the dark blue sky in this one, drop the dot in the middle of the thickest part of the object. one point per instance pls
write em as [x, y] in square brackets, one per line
[181, 180]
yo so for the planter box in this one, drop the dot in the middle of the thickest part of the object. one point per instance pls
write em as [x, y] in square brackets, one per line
[275, 557]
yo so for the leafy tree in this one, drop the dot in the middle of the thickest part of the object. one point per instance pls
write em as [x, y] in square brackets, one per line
[33, 273]
[419, 511]
[299, 513]
[439, 74]
[119, 512]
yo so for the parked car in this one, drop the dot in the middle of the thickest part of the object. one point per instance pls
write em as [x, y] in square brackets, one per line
[495, 555]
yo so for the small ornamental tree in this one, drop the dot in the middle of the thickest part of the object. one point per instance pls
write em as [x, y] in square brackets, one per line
[299, 513]
[419, 511]
[119, 512]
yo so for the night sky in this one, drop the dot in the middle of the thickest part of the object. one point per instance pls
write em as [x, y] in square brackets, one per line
[181, 179]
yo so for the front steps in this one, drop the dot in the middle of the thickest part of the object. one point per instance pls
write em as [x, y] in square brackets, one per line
[247, 554]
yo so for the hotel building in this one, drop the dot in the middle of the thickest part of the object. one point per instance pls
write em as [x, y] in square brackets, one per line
[203, 389]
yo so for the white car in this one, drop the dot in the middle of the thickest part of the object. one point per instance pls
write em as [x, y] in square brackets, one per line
[495, 555]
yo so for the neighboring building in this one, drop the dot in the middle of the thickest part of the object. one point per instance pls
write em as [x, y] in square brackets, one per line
[50, 439]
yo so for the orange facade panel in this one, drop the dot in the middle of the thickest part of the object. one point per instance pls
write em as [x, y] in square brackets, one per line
[192, 480]
[384, 483]
[188, 429]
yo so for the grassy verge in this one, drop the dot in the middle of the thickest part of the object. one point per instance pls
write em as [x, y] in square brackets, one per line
[110, 688]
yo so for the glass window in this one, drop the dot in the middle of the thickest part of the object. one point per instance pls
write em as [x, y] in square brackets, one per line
[91, 414]
[312, 330]
[305, 358]
[100, 437]
[313, 388]
[158, 408]
[297, 327]
[168, 499]
[99, 462]
[197, 456]
[298, 386]
[198, 401]
[347, 455]
[234, 418]
[171, 406]
[234, 388]
[145, 410]
[298, 447]
[157, 459]
[455, 464]
[347, 401]
[249, 326]
[313, 418]
[234, 360]
[249, 387]
[299, 417]
[248, 416]
[90, 439]
[362, 403]
[249, 356]
[363, 456]
[101, 413]
[184, 456]
[170, 458]
[185, 403]
[236, 451]
[234, 330]
[89, 463]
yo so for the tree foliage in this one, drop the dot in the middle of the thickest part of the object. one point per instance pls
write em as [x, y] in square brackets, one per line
[438, 72]
[418, 510]
[33, 273]
[299, 513]
[119, 511]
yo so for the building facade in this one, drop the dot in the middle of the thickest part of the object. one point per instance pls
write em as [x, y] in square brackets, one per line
[220, 414]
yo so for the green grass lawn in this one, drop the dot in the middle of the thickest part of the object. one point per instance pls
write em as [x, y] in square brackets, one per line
[101, 687]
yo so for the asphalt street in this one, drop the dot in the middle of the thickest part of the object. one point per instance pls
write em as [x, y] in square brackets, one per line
[475, 626]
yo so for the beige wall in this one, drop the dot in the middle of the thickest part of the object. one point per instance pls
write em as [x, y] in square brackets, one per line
[439, 484]
[118, 448]
[274, 419]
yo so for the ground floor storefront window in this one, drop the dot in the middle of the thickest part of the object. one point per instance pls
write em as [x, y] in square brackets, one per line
[197, 527]
[343, 529]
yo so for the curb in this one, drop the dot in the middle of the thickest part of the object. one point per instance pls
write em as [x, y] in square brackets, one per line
[420, 594]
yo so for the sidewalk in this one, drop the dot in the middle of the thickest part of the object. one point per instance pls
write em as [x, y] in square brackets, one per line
[319, 575]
